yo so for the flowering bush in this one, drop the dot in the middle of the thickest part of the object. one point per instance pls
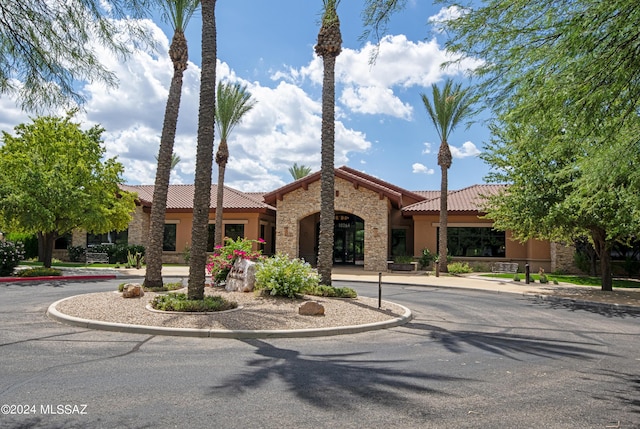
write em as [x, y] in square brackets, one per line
[224, 257]
[285, 277]
[10, 255]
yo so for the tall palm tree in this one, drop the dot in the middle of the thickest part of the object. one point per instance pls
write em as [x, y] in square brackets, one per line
[299, 171]
[329, 47]
[450, 106]
[177, 13]
[204, 152]
[175, 159]
[233, 101]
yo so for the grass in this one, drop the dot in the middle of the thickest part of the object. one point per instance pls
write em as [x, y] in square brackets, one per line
[573, 279]
[180, 302]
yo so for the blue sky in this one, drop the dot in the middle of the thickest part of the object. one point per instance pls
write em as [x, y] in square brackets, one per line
[382, 126]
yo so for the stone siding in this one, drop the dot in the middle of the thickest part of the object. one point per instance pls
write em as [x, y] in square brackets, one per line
[374, 210]
[138, 232]
[562, 258]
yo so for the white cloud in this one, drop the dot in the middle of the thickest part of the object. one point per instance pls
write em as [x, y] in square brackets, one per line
[418, 168]
[466, 150]
[427, 148]
[439, 20]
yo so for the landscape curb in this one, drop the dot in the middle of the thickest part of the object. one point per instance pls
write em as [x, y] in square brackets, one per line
[57, 278]
[56, 315]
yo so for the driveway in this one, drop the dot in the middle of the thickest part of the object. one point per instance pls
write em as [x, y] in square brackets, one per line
[468, 359]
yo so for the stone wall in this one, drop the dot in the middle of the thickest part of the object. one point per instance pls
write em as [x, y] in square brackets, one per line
[562, 258]
[139, 227]
[360, 201]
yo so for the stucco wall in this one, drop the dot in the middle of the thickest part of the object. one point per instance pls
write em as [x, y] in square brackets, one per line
[373, 209]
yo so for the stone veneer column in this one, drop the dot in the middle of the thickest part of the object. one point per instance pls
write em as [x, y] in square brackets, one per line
[562, 258]
[138, 233]
[368, 205]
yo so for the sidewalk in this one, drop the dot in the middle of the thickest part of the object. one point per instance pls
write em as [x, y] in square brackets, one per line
[620, 299]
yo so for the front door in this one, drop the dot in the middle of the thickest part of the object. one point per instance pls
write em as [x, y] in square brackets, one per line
[348, 239]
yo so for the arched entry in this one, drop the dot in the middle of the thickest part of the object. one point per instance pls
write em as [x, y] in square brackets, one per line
[348, 239]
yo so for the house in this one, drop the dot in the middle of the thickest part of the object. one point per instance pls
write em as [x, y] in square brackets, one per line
[374, 221]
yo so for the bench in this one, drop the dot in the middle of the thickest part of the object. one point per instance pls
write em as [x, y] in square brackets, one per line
[93, 257]
[504, 267]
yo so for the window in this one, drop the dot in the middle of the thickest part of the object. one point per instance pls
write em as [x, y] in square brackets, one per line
[169, 240]
[63, 242]
[483, 242]
[398, 242]
[112, 237]
[234, 230]
[211, 237]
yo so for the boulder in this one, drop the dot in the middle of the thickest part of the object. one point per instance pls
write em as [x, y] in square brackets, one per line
[242, 276]
[311, 308]
[132, 290]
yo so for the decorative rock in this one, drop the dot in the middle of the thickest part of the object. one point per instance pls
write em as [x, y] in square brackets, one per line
[242, 277]
[311, 308]
[132, 290]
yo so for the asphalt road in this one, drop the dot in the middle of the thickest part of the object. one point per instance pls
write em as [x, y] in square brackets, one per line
[467, 360]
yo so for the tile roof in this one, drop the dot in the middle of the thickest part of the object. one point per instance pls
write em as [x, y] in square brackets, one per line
[470, 199]
[180, 197]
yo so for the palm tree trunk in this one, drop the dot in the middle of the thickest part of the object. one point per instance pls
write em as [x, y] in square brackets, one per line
[327, 172]
[221, 160]
[444, 219]
[204, 153]
[153, 276]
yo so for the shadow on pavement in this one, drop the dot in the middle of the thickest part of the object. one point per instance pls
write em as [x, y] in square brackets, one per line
[507, 345]
[334, 380]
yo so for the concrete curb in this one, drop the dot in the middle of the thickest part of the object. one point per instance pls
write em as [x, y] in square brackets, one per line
[54, 314]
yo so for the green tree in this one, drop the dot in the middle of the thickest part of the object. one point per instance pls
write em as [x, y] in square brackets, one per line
[177, 13]
[563, 187]
[328, 48]
[450, 106]
[204, 152]
[45, 47]
[233, 102]
[560, 74]
[53, 180]
[299, 171]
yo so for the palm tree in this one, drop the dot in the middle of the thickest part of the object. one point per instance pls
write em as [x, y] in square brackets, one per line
[175, 159]
[329, 47]
[204, 152]
[233, 101]
[450, 106]
[299, 171]
[177, 13]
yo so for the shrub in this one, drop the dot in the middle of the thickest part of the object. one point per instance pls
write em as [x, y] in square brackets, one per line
[224, 257]
[516, 277]
[459, 268]
[330, 291]
[426, 259]
[164, 288]
[135, 260]
[542, 276]
[10, 256]
[39, 272]
[403, 259]
[282, 276]
[76, 253]
[30, 242]
[181, 302]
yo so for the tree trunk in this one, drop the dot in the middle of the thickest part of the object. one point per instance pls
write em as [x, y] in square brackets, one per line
[327, 172]
[153, 275]
[46, 241]
[444, 219]
[204, 153]
[221, 159]
[603, 249]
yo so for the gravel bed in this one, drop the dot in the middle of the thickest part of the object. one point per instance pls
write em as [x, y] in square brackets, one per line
[257, 312]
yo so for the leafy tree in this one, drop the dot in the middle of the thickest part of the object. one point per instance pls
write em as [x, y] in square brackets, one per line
[328, 48]
[53, 180]
[233, 102]
[564, 86]
[450, 106]
[299, 171]
[204, 152]
[178, 13]
[45, 46]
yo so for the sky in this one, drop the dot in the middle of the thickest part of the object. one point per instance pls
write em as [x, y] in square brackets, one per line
[382, 127]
